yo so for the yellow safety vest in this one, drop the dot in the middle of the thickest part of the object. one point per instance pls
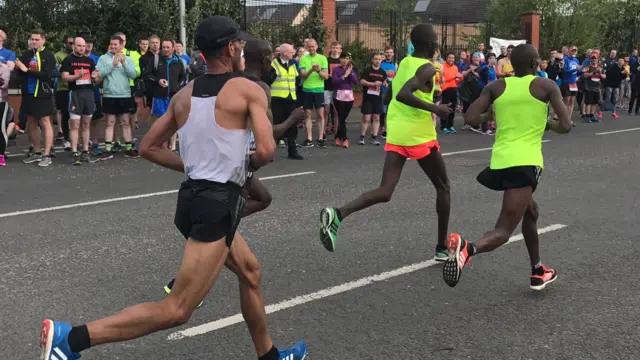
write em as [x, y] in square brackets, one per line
[285, 83]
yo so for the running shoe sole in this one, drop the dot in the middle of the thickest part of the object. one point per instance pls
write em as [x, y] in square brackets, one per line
[46, 339]
[544, 285]
[451, 270]
[326, 219]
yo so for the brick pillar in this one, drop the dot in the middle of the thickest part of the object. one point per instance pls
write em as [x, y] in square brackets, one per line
[329, 19]
[530, 27]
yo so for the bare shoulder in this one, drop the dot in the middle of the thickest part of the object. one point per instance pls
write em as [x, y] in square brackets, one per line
[244, 87]
[426, 71]
[180, 104]
[265, 87]
[495, 88]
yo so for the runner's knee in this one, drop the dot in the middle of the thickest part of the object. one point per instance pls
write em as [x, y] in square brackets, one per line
[178, 310]
[532, 212]
[250, 272]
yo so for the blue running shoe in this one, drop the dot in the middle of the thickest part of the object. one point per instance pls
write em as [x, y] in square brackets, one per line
[95, 150]
[297, 352]
[54, 341]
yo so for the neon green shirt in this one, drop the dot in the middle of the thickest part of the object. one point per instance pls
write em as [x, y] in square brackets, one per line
[408, 126]
[520, 123]
[314, 83]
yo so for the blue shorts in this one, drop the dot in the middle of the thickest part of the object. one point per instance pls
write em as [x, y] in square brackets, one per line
[160, 106]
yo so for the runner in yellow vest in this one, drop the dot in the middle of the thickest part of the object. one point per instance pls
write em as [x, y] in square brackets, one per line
[520, 104]
[410, 134]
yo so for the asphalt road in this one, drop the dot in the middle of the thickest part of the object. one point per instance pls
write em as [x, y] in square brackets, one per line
[70, 255]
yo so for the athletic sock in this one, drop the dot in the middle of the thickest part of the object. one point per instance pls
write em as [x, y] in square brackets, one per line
[127, 146]
[339, 214]
[170, 284]
[79, 339]
[537, 269]
[107, 146]
[270, 355]
[471, 248]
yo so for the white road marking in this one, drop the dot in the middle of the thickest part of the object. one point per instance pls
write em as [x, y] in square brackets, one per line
[235, 319]
[125, 198]
[474, 150]
[617, 131]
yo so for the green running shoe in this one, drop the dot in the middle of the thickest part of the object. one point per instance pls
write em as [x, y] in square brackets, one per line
[442, 254]
[329, 225]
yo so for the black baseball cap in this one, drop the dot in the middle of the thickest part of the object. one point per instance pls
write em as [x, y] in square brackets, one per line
[216, 32]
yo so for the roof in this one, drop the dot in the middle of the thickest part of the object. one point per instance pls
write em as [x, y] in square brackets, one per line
[277, 13]
[429, 11]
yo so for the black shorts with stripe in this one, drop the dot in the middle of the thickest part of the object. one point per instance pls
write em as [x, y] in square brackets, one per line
[208, 211]
[510, 178]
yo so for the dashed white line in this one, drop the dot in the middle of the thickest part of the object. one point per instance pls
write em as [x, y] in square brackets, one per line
[617, 131]
[125, 198]
[235, 319]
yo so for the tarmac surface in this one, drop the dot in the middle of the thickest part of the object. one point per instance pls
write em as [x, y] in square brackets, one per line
[81, 243]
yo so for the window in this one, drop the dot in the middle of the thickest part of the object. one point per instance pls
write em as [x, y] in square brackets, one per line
[349, 10]
[421, 6]
[268, 13]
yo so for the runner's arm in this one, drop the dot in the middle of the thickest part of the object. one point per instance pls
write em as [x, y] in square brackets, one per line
[563, 125]
[421, 80]
[478, 113]
[257, 106]
[267, 91]
[386, 98]
[151, 145]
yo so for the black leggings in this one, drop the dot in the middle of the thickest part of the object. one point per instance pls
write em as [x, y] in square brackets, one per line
[4, 124]
[635, 98]
[343, 108]
[449, 96]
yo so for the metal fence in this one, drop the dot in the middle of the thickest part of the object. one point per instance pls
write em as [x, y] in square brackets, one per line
[358, 23]
[379, 29]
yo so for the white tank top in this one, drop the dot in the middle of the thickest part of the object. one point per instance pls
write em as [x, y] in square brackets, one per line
[209, 151]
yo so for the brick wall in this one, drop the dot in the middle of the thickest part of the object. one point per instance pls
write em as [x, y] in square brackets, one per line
[530, 27]
[329, 19]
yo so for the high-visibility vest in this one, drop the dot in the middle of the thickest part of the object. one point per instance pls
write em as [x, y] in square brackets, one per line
[285, 83]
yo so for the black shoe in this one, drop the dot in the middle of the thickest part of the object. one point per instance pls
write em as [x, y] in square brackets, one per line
[295, 156]
[307, 143]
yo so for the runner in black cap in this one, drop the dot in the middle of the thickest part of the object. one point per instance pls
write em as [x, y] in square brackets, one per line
[258, 54]
[213, 155]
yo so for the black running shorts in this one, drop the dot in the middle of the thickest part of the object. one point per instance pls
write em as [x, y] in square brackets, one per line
[510, 178]
[591, 97]
[208, 211]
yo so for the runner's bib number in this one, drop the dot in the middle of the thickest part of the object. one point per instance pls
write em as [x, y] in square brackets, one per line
[573, 87]
[373, 91]
[85, 79]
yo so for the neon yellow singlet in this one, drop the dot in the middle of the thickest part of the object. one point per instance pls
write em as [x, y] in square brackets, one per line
[407, 126]
[520, 123]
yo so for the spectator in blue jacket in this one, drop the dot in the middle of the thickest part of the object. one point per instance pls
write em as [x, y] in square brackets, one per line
[570, 77]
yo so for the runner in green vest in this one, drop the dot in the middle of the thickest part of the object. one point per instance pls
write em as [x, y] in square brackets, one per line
[410, 134]
[520, 104]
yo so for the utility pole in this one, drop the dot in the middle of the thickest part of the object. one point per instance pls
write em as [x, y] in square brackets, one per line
[183, 30]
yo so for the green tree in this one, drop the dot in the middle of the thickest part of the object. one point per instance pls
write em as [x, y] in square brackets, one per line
[562, 23]
[399, 18]
[311, 26]
[204, 8]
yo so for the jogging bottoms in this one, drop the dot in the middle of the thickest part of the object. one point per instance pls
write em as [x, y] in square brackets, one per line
[634, 99]
[449, 96]
[343, 108]
[4, 124]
